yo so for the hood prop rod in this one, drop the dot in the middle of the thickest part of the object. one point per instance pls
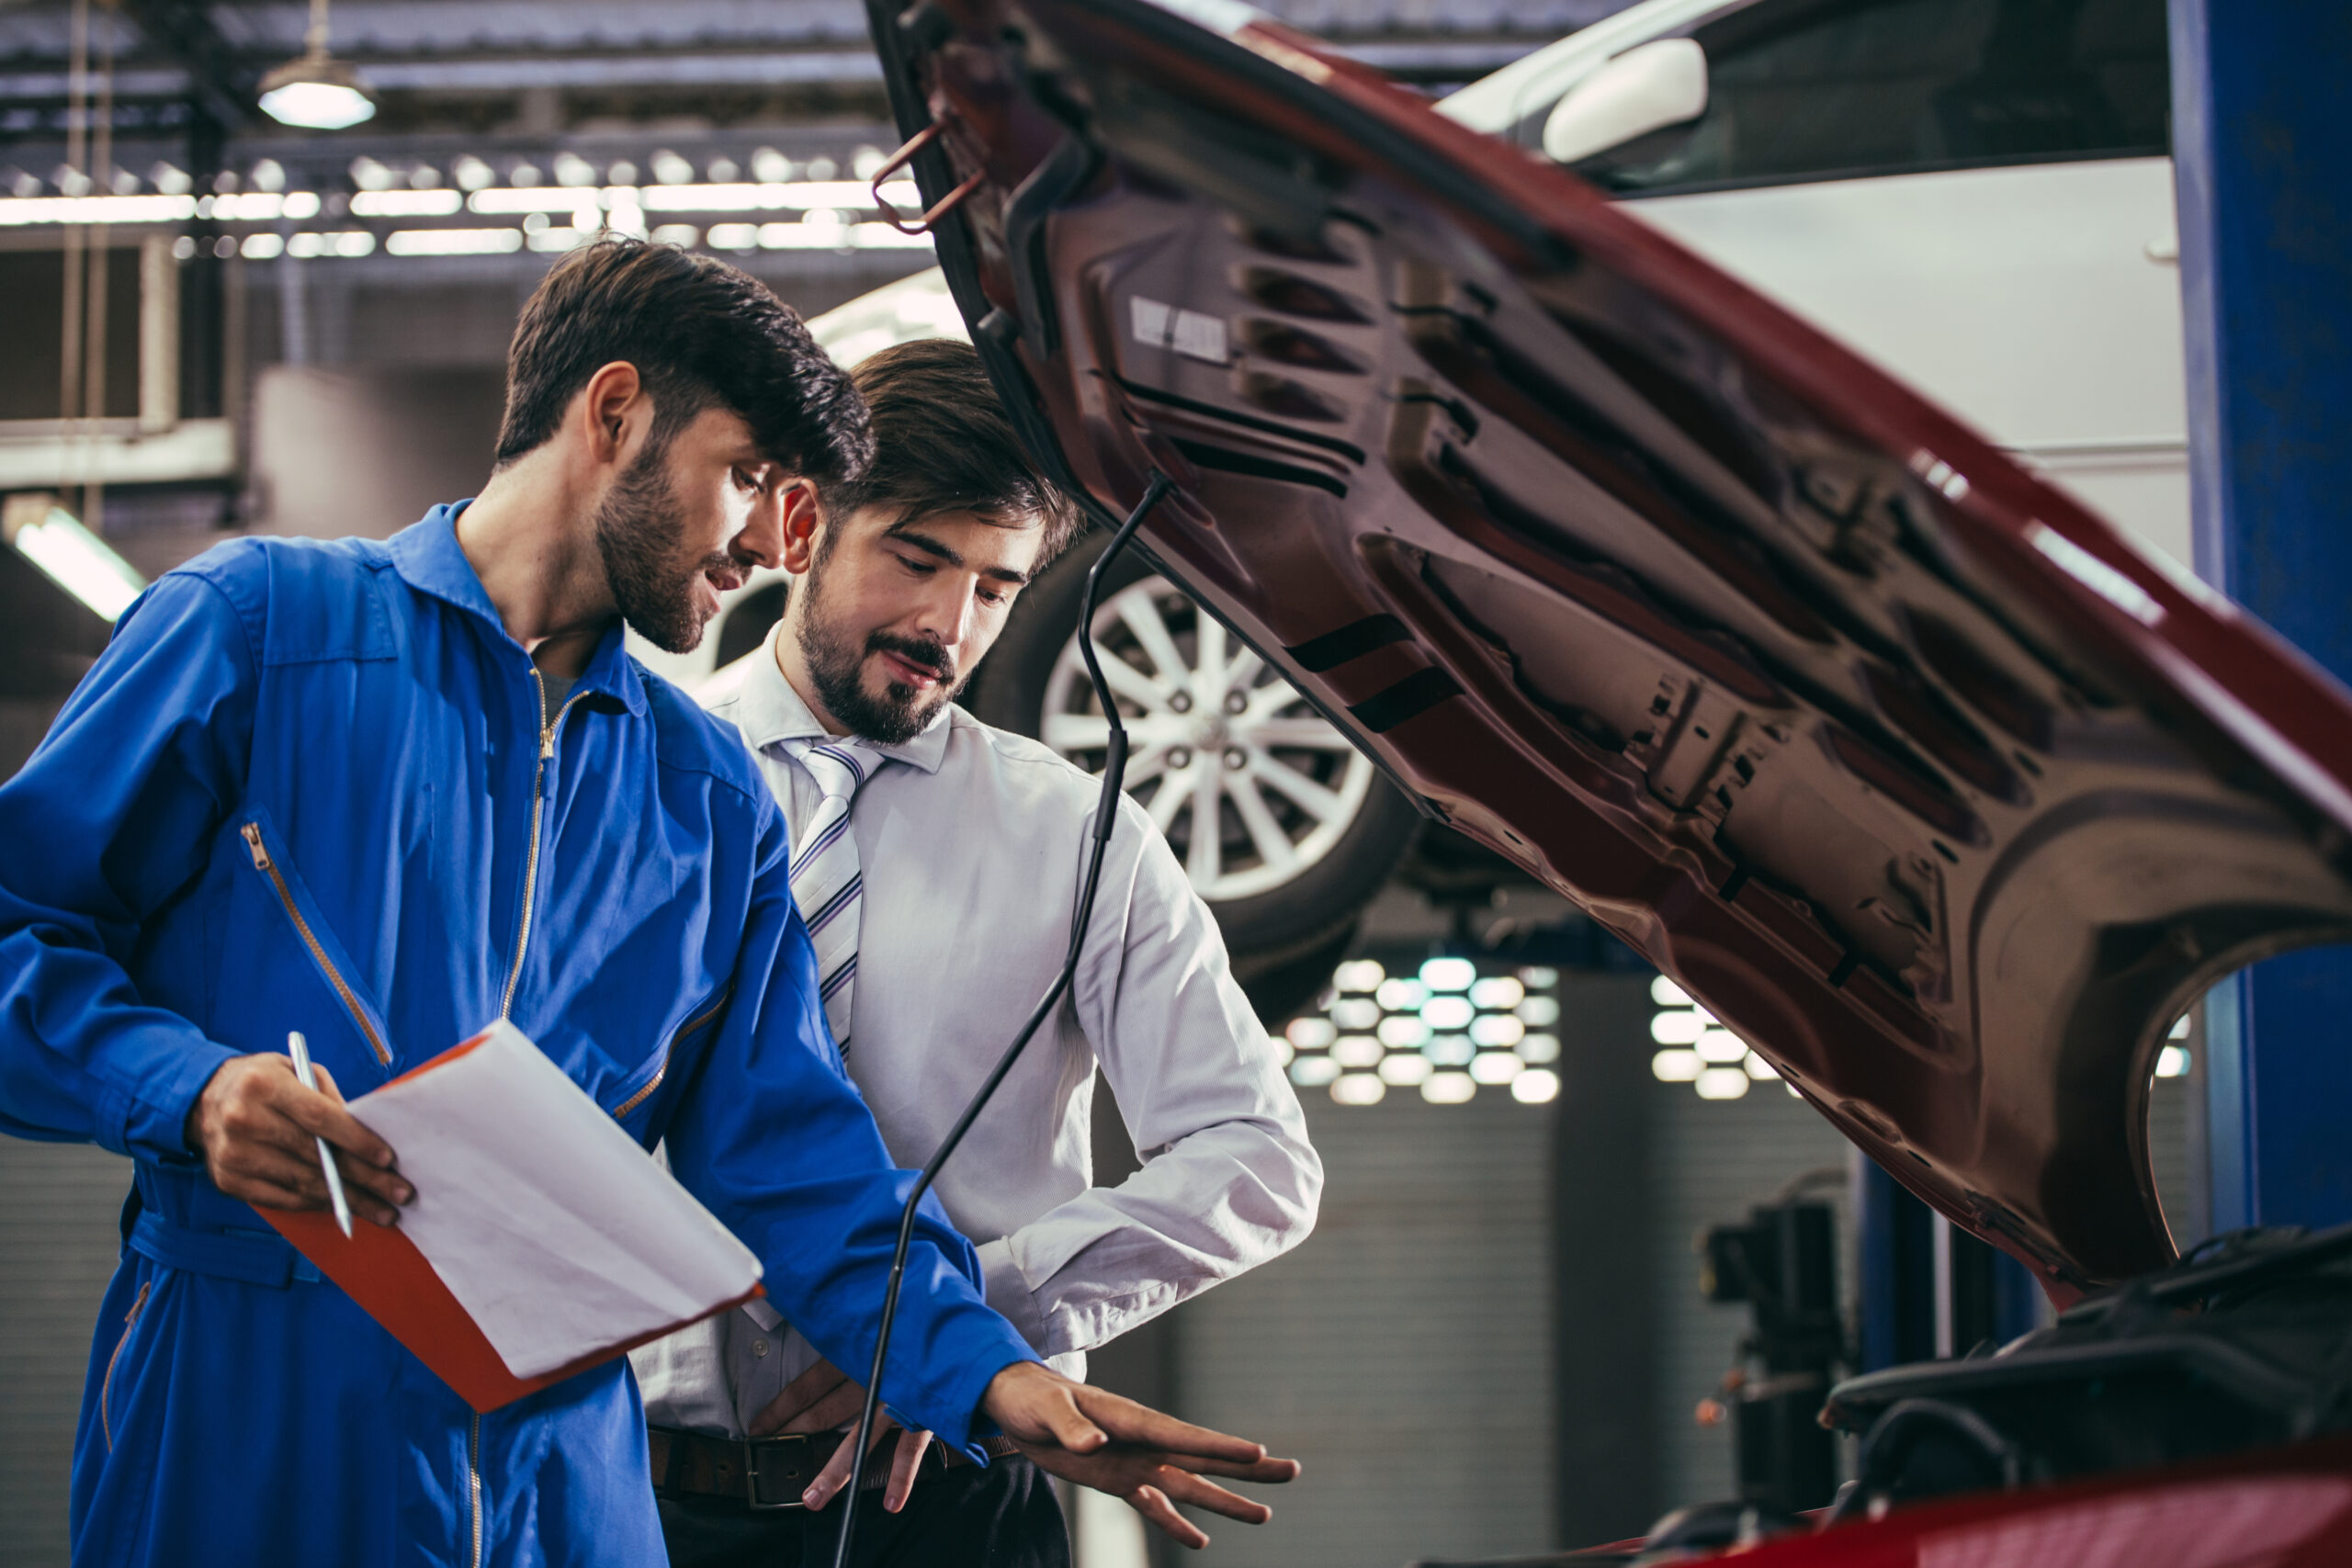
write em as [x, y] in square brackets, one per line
[905, 155]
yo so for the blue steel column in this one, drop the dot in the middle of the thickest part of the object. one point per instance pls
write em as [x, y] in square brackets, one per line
[2262, 147]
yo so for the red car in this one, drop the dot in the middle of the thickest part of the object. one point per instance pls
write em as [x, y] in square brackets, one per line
[1926, 782]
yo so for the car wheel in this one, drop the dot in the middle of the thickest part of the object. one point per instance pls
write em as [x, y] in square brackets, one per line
[1285, 827]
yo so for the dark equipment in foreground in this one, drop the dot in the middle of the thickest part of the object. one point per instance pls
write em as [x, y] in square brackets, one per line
[1783, 1264]
[2241, 1347]
[2245, 1344]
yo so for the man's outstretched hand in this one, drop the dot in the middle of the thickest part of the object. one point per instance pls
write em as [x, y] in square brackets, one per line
[254, 1125]
[1135, 1453]
[1149, 1459]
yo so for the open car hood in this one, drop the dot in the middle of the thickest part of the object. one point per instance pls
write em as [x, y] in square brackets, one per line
[1927, 784]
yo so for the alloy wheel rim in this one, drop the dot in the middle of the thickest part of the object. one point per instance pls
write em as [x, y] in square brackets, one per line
[1218, 739]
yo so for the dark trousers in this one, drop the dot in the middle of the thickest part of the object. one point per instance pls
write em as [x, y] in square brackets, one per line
[1003, 1517]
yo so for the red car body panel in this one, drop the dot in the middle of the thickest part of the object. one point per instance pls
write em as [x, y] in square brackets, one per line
[2282, 1509]
[1929, 785]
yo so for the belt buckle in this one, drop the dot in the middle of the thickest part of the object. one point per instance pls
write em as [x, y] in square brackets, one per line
[751, 1495]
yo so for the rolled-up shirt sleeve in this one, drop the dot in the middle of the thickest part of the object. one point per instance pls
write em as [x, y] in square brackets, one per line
[1229, 1180]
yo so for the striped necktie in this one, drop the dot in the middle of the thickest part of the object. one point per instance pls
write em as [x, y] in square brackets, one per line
[826, 882]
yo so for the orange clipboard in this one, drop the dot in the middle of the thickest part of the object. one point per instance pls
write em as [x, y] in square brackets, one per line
[394, 1283]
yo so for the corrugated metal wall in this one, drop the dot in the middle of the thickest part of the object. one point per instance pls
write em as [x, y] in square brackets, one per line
[2168, 1151]
[1404, 1351]
[58, 1243]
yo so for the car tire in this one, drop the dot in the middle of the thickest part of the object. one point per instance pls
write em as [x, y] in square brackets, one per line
[1269, 913]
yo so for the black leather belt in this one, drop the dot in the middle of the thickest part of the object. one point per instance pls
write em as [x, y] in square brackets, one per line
[772, 1472]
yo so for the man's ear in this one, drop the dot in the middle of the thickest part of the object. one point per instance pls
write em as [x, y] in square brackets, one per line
[801, 518]
[612, 405]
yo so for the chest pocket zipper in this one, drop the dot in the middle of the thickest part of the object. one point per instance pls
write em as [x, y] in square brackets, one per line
[268, 865]
[662, 1071]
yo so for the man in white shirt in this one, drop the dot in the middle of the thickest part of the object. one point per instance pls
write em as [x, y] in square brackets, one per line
[936, 862]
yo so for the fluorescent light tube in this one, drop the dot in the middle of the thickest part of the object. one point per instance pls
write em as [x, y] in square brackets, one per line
[70, 556]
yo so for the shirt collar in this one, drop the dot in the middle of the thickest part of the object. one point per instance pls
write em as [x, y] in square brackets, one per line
[771, 711]
[427, 556]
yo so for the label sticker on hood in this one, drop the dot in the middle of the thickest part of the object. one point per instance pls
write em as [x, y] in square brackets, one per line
[1188, 333]
[1227, 16]
[2095, 574]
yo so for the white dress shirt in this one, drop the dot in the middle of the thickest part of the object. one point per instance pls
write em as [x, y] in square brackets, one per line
[972, 842]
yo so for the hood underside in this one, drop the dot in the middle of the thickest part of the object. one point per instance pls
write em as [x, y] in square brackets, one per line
[1921, 779]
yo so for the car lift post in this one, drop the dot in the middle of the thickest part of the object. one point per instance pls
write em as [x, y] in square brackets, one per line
[2261, 124]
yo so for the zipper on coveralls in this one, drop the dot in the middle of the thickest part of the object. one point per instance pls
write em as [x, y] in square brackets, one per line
[106, 1387]
[269, 868]
[473, 1486]
[548, 728]
[538, 806]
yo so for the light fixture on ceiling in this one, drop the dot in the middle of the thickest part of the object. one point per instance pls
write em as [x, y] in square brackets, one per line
[69, 555]
[316, 92]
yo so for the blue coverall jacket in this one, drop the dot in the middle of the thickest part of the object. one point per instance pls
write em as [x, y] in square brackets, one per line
[308, 787]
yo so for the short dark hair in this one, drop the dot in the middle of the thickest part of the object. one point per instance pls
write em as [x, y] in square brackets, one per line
[702, 335]
[942, 442]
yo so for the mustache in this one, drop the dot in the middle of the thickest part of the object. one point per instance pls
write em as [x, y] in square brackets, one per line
[931, 655]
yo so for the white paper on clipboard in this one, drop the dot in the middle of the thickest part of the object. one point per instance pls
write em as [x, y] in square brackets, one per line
[551, 1227]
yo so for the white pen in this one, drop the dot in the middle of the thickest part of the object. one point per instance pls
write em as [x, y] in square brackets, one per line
[300, 1050]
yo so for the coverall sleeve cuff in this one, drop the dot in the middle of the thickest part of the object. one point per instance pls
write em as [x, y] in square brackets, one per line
[965, 1392]
[152, 1121]
[1009, 1293]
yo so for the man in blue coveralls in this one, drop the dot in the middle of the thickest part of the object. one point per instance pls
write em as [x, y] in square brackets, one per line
[384, 793]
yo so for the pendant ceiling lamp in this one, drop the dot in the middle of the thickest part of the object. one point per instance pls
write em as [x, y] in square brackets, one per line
[316, 92]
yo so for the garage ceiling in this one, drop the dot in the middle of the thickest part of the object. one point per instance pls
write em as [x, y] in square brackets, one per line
[464, 66]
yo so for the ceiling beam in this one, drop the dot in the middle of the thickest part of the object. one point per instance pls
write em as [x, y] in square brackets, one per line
[221, 85]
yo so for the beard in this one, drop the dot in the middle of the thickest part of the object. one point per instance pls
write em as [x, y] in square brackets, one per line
[837, 664]
[636, 536]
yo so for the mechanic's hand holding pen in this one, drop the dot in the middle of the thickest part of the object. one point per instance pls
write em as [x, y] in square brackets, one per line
[257, 1128]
